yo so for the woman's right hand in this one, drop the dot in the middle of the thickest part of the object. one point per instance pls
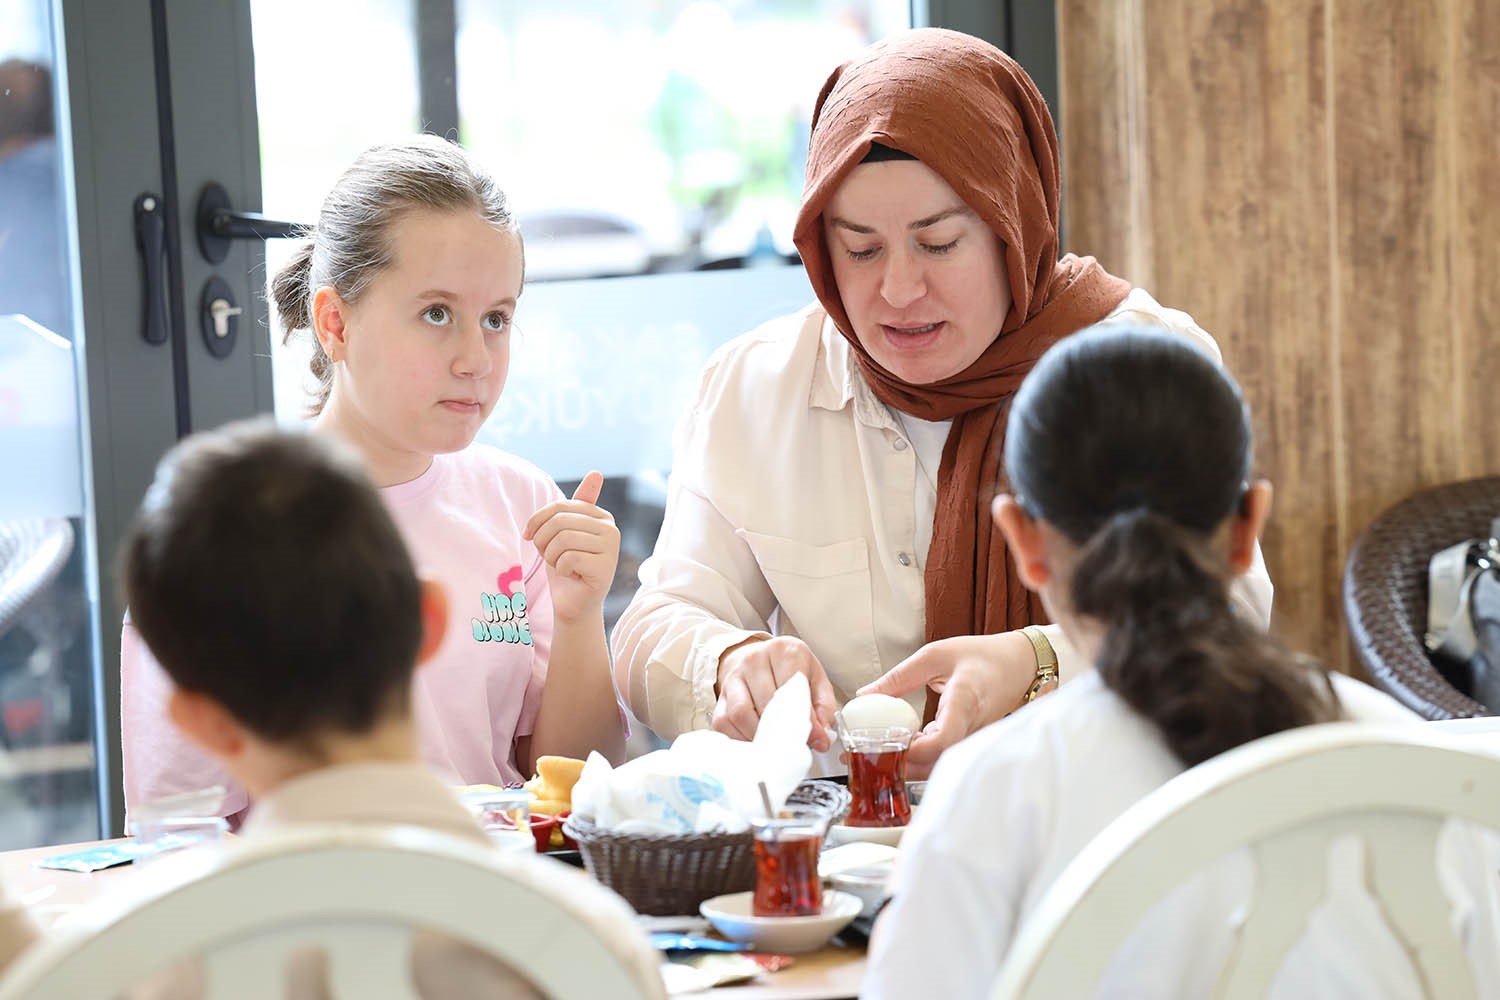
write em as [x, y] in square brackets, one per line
[749, 675]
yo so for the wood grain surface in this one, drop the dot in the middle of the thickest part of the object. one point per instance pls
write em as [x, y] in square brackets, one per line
[1309, 180]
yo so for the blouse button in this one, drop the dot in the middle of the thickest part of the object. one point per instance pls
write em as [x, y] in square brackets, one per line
[903, 558]
[899, 444]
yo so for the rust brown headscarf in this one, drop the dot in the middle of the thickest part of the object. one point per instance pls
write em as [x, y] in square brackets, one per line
[968, 111]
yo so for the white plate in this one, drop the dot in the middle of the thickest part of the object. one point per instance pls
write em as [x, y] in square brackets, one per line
[860, 856]
[839, 834]
[732, 918]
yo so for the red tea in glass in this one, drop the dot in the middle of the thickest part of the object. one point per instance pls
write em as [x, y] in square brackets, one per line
[786, 878]
[877, 777]
[786, 864]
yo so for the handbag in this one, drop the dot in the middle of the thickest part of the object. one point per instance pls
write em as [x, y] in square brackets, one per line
[1463, 614]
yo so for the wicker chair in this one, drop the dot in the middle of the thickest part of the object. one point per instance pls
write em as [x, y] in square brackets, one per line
[32, 552]
[1385, 591]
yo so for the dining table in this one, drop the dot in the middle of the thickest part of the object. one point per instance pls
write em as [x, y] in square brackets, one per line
[833, 973]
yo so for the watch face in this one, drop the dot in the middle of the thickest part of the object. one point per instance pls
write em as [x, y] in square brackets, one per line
[1041, 686]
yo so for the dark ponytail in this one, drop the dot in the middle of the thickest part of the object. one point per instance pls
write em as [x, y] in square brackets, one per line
[1137, 448]
[1174, 648]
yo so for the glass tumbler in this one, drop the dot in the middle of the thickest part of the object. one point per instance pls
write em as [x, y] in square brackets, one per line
[786, 862]
[877, 776]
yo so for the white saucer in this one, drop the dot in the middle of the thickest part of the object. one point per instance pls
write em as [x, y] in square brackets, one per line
[731, 917]
[839, 834]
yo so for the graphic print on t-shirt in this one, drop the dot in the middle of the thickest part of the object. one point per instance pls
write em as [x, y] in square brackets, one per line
[503, 614]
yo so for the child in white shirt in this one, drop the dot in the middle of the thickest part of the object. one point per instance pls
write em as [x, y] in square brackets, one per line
[1131, 512]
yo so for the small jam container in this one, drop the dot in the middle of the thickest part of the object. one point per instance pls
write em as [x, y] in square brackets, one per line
[505, 814]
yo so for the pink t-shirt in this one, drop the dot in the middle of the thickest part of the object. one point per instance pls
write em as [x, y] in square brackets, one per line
[462, 521]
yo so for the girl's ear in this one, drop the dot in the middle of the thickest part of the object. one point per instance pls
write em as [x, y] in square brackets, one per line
[434, 619]
[1246, 526]
[207, 723]
[330, 320]
[1023, 537]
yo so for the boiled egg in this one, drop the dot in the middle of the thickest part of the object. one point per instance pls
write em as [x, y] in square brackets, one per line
[876, 711]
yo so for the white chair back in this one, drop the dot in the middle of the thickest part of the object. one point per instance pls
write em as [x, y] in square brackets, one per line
[358, 893]
[1286, 798]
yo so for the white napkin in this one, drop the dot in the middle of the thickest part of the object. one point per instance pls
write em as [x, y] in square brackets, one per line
[705, 780]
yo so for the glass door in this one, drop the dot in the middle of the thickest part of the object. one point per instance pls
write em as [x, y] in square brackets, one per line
[50, 778]
[106, 352]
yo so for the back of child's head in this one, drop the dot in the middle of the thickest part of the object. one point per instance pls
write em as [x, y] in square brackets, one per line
[264, 571]
[352, 243]
[1137, 447]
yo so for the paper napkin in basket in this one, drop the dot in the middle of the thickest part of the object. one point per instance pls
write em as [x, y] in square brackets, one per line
[704, 780]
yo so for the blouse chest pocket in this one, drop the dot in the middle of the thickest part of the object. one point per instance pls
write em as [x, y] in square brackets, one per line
[824, 597]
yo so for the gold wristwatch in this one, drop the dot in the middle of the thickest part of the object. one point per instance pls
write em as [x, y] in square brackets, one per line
[1046, 664]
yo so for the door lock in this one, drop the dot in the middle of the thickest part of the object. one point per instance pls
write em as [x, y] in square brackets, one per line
[221, 310]
[218, 316]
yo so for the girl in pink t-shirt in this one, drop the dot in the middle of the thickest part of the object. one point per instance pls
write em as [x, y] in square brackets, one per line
[409, 286]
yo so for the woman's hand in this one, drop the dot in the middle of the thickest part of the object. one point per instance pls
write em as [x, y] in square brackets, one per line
[749, 675]
[581, 545]
[979, 679]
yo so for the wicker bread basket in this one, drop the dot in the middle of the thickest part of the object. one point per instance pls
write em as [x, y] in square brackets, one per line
[673, 873]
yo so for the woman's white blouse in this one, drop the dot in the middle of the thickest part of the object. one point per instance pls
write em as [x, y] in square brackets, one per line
[790, 511]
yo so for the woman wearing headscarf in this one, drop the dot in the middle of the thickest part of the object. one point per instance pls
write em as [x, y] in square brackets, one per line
[828, 512]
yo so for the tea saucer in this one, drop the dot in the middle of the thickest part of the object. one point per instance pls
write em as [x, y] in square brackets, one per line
[732, 918]
[889, 835]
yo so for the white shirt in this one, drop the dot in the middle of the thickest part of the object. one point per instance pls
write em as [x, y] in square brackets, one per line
[403, 794]
[926, 438]
[1009, 808]
[791, 511]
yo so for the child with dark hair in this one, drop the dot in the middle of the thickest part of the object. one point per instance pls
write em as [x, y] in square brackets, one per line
[1132, 509]
[272, 585]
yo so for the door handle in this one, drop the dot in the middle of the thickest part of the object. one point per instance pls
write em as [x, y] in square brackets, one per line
[218, 223]
[151, 238]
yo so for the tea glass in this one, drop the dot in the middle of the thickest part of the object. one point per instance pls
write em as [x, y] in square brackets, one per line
[159, 835]
[877, 776]
[786, 862]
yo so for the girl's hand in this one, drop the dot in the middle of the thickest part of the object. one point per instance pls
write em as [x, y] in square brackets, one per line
[581, 545]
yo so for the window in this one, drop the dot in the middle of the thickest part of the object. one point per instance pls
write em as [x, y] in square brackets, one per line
[48, 779]
[660, 146]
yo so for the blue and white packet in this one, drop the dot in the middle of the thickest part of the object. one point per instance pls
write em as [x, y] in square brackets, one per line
[101, 856]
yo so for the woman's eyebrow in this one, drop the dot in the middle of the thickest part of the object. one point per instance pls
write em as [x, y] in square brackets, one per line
[923, 223]
[946, 213]
[853, 227]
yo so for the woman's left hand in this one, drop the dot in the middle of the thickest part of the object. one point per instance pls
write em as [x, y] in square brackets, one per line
[979, 679]
[581, 545]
